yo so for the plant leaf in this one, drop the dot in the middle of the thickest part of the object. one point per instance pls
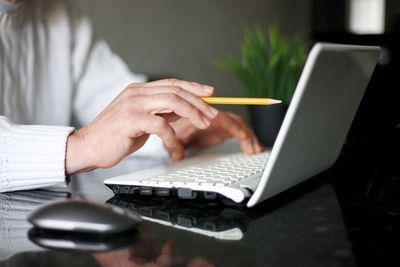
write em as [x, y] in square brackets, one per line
[266, 69]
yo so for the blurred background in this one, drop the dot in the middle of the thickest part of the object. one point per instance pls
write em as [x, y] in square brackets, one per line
[179, 38]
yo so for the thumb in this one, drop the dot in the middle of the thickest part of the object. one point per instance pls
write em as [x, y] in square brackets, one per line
[177, 152]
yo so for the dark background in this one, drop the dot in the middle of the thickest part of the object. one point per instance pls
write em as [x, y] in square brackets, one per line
[380, 108]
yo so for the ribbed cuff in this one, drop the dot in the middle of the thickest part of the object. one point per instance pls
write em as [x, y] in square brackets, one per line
[31, 156]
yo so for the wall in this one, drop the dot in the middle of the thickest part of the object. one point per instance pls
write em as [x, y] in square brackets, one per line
[392, 15]
[180, 37]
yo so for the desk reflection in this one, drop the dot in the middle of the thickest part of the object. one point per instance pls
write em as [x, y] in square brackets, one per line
[126, 249]
[22, 245]
[15, 207]
[299, 228]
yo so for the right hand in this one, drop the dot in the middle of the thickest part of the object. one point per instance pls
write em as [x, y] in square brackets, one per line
[141, 109]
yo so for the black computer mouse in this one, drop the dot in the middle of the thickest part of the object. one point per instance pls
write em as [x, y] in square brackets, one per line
[83, 216]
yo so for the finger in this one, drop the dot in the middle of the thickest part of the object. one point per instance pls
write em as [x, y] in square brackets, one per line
[177, 152]
[257, 147]
[168, 103]
[193, 87]
[168, 248]
[166, 255]
[247, 146]
[153, 124]
[208, 110]
[240, 131]
[170, 117]
[242, 125]
[234, 127]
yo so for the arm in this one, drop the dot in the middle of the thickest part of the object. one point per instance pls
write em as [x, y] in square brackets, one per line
[31, 156]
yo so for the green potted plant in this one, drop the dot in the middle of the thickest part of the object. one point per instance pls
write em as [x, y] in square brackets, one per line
[267, 69]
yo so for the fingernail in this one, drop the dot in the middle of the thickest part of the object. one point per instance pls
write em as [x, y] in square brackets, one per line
[214, 111]
[176, 155]
[206, 121]
[260, 148]
[250, 147]
[255, 148]
[208, 89]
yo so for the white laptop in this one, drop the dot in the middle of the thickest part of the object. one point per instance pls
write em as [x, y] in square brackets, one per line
[311, 137]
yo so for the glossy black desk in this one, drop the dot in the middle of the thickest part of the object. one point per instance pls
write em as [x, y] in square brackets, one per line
[347, 216]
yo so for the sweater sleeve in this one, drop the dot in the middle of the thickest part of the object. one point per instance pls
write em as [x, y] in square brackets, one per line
[99, 77]
[31, 156]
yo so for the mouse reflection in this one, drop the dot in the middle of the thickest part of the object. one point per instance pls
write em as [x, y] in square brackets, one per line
[125, 249]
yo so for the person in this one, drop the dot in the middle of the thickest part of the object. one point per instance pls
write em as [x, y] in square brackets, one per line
[54, 73]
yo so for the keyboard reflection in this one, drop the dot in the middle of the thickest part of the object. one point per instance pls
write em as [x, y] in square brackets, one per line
[209, 218]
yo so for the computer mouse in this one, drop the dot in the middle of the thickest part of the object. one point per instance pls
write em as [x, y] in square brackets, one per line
[77, 241]
[83, 216]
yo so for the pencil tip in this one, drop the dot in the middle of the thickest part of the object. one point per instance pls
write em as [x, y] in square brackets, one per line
[274, 101]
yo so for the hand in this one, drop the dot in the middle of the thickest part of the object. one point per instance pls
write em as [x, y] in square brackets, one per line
[148, 253]
[225, 125]
[140, 110]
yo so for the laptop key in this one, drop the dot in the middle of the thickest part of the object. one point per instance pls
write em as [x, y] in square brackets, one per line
[186, 193]
[163, 192]
[146, 191]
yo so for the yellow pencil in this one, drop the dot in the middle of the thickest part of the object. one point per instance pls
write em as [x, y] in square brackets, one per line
[240, 101]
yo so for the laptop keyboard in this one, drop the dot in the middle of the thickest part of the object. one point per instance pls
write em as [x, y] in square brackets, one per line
[234, 176]
[227, 171]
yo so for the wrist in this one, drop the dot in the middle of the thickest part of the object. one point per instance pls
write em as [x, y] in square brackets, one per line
[77, 159]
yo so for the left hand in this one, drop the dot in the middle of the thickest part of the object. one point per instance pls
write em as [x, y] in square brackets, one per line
[225, 125]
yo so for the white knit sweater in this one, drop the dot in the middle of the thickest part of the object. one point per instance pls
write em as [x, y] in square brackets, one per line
[52, 72]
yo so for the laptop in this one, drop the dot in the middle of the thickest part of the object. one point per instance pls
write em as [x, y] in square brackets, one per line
[310, 139]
